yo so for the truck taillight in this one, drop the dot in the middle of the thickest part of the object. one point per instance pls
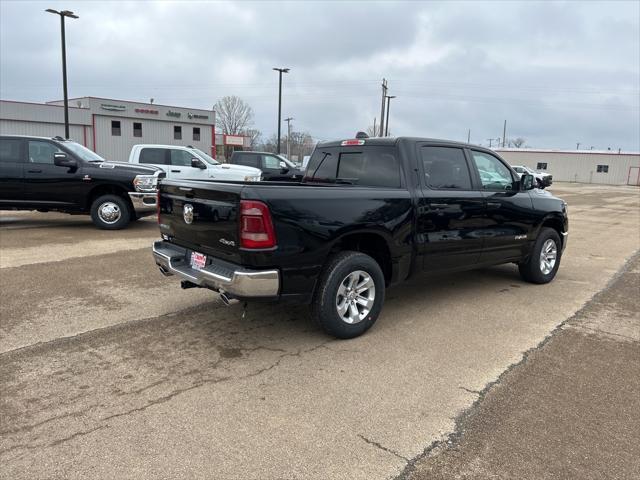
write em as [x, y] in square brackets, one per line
[158, 205]
[256, 227]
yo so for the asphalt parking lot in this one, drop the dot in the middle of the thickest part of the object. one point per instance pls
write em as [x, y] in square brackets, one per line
[109, 370]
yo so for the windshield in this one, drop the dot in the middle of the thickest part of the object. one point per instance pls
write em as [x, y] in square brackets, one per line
[205, 157]
[83, 152]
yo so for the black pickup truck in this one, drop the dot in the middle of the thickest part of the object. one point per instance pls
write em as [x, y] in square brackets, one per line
[54, 174]
[368, 214]
[273, 167]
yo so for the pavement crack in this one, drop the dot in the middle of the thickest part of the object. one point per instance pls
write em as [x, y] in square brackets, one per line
[164, 399]
[382, 447]
[476, 392]
[26, 446]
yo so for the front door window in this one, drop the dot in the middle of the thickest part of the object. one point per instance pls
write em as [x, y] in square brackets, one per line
[494, 175]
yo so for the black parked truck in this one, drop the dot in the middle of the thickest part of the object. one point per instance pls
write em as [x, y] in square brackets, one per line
[54, 174]
[370, 212]
[273, 166]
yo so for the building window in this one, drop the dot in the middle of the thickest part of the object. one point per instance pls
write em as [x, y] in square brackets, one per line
[115, 128]
[177, 132]
[603, 168]
[196, 134]
[541, 166]
[137, 129]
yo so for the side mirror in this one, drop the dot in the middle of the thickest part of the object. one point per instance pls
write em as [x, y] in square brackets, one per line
[197, 163]
[61, 160]
[526, 181]
[283, 167]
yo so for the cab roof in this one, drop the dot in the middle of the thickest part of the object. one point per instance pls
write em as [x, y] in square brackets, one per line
[392, 141]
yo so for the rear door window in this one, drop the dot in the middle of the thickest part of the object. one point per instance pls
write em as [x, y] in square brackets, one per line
[155, 156]
[247, 160]
[10, 150]
[367, 166]
[445, 168]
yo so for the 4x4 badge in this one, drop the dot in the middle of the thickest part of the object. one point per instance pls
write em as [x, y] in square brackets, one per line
[187, 213]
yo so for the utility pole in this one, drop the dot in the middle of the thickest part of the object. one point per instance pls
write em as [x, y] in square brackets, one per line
[288, 120]
[374, 127]
[490, 140]
[469, 136]
[63, 14]
[578, 146]
[504, 133]
[386, 126]
[384, 94]
[281, 71]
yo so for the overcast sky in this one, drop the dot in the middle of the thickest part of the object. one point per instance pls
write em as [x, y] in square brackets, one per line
[560, 73]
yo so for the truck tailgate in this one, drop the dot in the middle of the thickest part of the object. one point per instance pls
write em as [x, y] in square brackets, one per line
[201, 218]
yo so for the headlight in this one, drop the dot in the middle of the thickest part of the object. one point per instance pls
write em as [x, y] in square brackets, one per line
[252, 178]
[145, 183]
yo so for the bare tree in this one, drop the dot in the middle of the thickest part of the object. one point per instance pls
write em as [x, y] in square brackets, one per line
[517, 142]
[233, 115]
[374, 132]
[255, 137]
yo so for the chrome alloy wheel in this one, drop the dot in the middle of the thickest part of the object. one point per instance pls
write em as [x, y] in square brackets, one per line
[355, 298]
[109, 212]
[548, 256]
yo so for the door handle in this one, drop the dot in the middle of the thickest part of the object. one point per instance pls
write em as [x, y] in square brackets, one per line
[494, 204]
[34, 171]
[438, 205]
[176, 171]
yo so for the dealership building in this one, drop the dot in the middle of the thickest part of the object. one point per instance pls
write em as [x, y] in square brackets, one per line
[583, 166]
[111, 127]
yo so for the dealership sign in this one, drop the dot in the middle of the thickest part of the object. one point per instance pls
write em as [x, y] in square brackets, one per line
[174, 114]
[198, 117]
[147, 110]
[116, 108]
[234, 140]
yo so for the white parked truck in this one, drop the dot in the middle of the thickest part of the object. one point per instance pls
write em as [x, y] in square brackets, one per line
[188, 163]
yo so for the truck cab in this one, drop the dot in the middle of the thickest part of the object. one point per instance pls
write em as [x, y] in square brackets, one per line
[273, 167]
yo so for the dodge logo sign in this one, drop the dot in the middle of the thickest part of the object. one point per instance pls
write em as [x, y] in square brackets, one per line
[187, 213]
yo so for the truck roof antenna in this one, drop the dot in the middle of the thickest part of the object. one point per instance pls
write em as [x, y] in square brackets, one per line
[362, 135]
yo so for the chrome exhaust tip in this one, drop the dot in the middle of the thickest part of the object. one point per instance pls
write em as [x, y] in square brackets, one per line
[164, 271]
[227, 300]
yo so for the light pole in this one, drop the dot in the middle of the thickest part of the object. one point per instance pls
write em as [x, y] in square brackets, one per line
[62, 14]
[280, 71]
[386, 126]
[288, 120]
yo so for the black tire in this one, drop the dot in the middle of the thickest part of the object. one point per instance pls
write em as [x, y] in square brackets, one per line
[124, 213]
[532, 269]
[324, 306]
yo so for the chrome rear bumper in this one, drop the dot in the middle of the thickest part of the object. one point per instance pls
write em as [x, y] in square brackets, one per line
[218, 275]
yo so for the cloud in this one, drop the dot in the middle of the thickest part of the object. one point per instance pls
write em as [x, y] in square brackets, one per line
[559, 72]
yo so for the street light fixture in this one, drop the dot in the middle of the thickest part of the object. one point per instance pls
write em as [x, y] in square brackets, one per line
[63, 14]
[280, 71]
[386, 127]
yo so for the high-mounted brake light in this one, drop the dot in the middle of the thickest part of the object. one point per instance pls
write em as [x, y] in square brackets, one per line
[347, 143]
[256, 227]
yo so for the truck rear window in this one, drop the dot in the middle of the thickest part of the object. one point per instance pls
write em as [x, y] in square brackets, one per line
[362, 165]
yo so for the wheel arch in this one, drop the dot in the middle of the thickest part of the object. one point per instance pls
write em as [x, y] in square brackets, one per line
[109, 189]
[370, 242]
[554, 222]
